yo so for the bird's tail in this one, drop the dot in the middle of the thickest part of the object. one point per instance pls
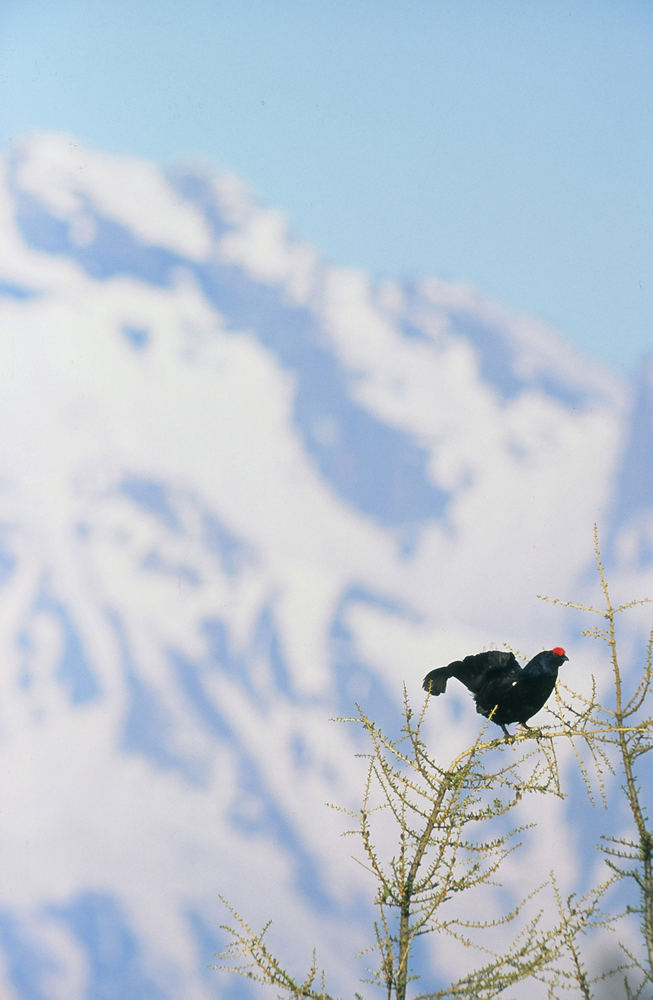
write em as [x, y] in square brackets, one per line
[435, 681]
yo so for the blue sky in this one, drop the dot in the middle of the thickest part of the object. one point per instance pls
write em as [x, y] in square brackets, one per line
[504, 143]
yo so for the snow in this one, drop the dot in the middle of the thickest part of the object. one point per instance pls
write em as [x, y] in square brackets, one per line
[161, 510]
[73, 181]
[261, 246]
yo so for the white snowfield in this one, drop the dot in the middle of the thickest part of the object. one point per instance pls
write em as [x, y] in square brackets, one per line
[240, 491]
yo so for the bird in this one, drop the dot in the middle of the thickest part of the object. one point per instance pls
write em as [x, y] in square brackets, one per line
[502, 688]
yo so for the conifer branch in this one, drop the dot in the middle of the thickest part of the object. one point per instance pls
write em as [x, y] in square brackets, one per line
[455, 825]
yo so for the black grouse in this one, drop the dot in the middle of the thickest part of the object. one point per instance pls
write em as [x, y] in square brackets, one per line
[498, 682]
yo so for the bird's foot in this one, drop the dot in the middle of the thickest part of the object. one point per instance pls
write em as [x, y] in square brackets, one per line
[534, 731]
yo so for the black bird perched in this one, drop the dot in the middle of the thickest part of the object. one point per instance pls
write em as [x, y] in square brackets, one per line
[498, 682]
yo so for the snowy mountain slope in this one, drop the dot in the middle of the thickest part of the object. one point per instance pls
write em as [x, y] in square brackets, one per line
[240, 491]
[632, 527]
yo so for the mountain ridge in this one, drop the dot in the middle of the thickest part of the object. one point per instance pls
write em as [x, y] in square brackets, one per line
[242, 490]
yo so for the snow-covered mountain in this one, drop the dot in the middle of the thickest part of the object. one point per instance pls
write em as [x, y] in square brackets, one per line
[241, 490]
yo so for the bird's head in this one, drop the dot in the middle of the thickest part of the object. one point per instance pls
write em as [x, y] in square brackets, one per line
[560, 654]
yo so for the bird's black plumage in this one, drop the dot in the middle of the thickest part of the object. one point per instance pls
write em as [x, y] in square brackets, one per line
[501, 687]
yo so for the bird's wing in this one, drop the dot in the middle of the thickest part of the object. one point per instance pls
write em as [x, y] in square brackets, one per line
[518, 694]
[474, 669]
